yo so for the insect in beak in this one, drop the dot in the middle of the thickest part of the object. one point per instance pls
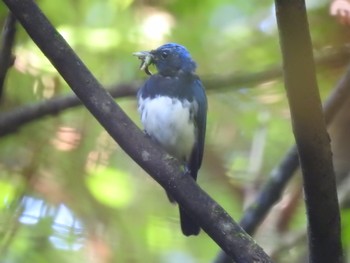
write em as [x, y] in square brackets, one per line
[146, 60]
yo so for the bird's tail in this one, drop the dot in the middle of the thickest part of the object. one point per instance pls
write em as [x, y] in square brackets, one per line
[188, 226]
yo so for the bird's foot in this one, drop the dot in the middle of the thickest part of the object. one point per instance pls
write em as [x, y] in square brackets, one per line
[186, 171]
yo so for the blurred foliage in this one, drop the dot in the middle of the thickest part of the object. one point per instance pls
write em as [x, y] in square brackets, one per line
[69, 194]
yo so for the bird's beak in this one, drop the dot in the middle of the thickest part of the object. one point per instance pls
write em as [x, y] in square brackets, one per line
[146, 58]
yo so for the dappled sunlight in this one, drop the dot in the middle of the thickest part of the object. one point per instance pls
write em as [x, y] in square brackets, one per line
[156, 26]
[102, 39]
[66, 139]
[111, 187]
[98, 249]
[67, 231]
[7, 193]
[31, 61]
[50, 86]
[99, 157]
[49, 187]
[159, 234]
[269, 94]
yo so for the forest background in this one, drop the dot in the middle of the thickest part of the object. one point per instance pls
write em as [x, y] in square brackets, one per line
[69, 193]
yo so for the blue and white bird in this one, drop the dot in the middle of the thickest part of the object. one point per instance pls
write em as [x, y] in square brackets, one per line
[173, 108]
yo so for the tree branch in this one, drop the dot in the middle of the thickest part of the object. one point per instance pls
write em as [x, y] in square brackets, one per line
[279, 177]
[281, 174]
[6, 57]
[326, 58]
[272, 191]
[13, 120]
[310, 133]
[210, 216]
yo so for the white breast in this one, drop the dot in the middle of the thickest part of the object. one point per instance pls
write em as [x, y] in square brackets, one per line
[168, 121]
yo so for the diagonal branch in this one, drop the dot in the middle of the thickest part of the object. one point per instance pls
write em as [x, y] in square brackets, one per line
[210, 216]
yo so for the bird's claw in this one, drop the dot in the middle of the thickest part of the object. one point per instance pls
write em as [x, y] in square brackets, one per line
[186, 171]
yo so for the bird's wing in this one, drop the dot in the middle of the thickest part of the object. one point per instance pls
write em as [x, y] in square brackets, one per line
[200, 119]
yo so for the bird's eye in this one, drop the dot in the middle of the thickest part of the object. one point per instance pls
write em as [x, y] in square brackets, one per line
[164, 54]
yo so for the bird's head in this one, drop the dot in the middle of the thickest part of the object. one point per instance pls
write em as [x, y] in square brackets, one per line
[169, 59]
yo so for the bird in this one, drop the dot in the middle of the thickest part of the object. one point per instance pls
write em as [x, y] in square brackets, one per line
[173, 107]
